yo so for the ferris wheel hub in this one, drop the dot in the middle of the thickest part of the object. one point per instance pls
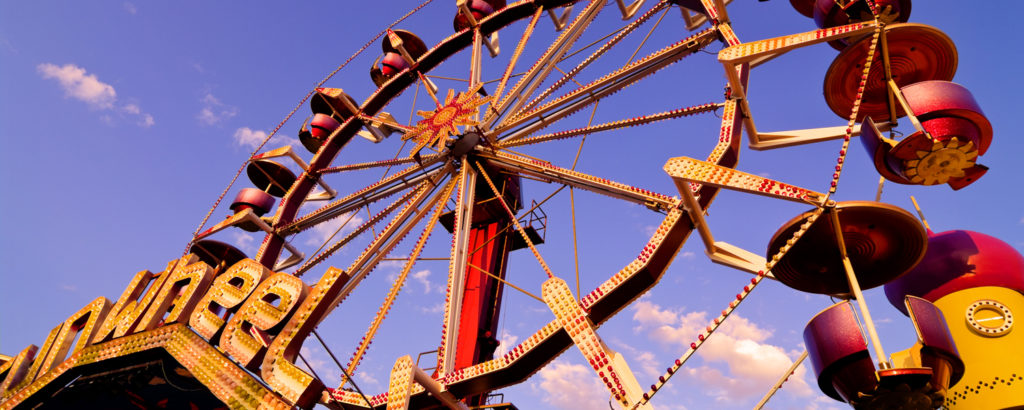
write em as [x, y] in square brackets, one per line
[465, 143]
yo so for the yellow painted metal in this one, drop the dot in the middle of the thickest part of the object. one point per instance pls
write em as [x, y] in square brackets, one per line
[994, 377]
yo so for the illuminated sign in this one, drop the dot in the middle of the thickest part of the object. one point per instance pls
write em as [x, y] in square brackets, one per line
[258, 317]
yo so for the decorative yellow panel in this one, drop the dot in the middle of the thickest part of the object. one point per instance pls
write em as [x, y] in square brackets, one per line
[268, 306]
[981, 321]
[225, 293]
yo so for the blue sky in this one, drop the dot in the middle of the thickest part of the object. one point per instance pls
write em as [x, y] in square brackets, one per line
[123, 121]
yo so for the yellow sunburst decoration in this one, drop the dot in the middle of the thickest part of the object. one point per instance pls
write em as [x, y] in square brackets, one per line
[942, 162]
[437, 126]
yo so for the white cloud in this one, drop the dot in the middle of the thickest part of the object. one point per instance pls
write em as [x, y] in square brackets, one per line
[248, 137]
[214, 111]
[505, 342]
[318, 359]
[145, 120]
[648, 364]
[435, 308]
[79, 85]
[367, 381]
[739, 344]
[130, 8]
[571, 386]
[322, 232]
[6, 44]
[245, 242]
[648, 313]
[422, 278]
[89, 89]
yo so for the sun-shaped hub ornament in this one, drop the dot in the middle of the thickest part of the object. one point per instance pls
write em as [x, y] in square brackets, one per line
[438, 126]
[944, 160]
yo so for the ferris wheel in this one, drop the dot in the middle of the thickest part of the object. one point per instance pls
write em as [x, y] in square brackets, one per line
[501, 110]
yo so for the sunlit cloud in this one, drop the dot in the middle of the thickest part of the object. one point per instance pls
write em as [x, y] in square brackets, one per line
[428, 286]
[432, 309]
[79, 85]
[145, 120]
[322, 232]
[248, 137]
[96, 94]
[570, 386]
[321, 363]
[740, 345]
[648, 365]
[506, 342]
[214, 112]
[6, 44]
[644, 359]
[366, 379]
[245, 242]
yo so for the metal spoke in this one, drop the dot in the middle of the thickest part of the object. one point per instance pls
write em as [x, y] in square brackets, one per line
[572, 208]
[648, 36]
[320, 257]
[440, 77]
[391, 235]
[540, 117]
[506, 227]
[591, 44]
[484, 271]
[619, 35]
[377, 164]
[396, 287]
[541, 68]
[328, 240]
[412, 109]
[512, 215]
[518, 52]
[342, 368]
[575, 242]
[778, 384]
[369, 194]
[389, 165]
[551, 173]
[608, 126]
